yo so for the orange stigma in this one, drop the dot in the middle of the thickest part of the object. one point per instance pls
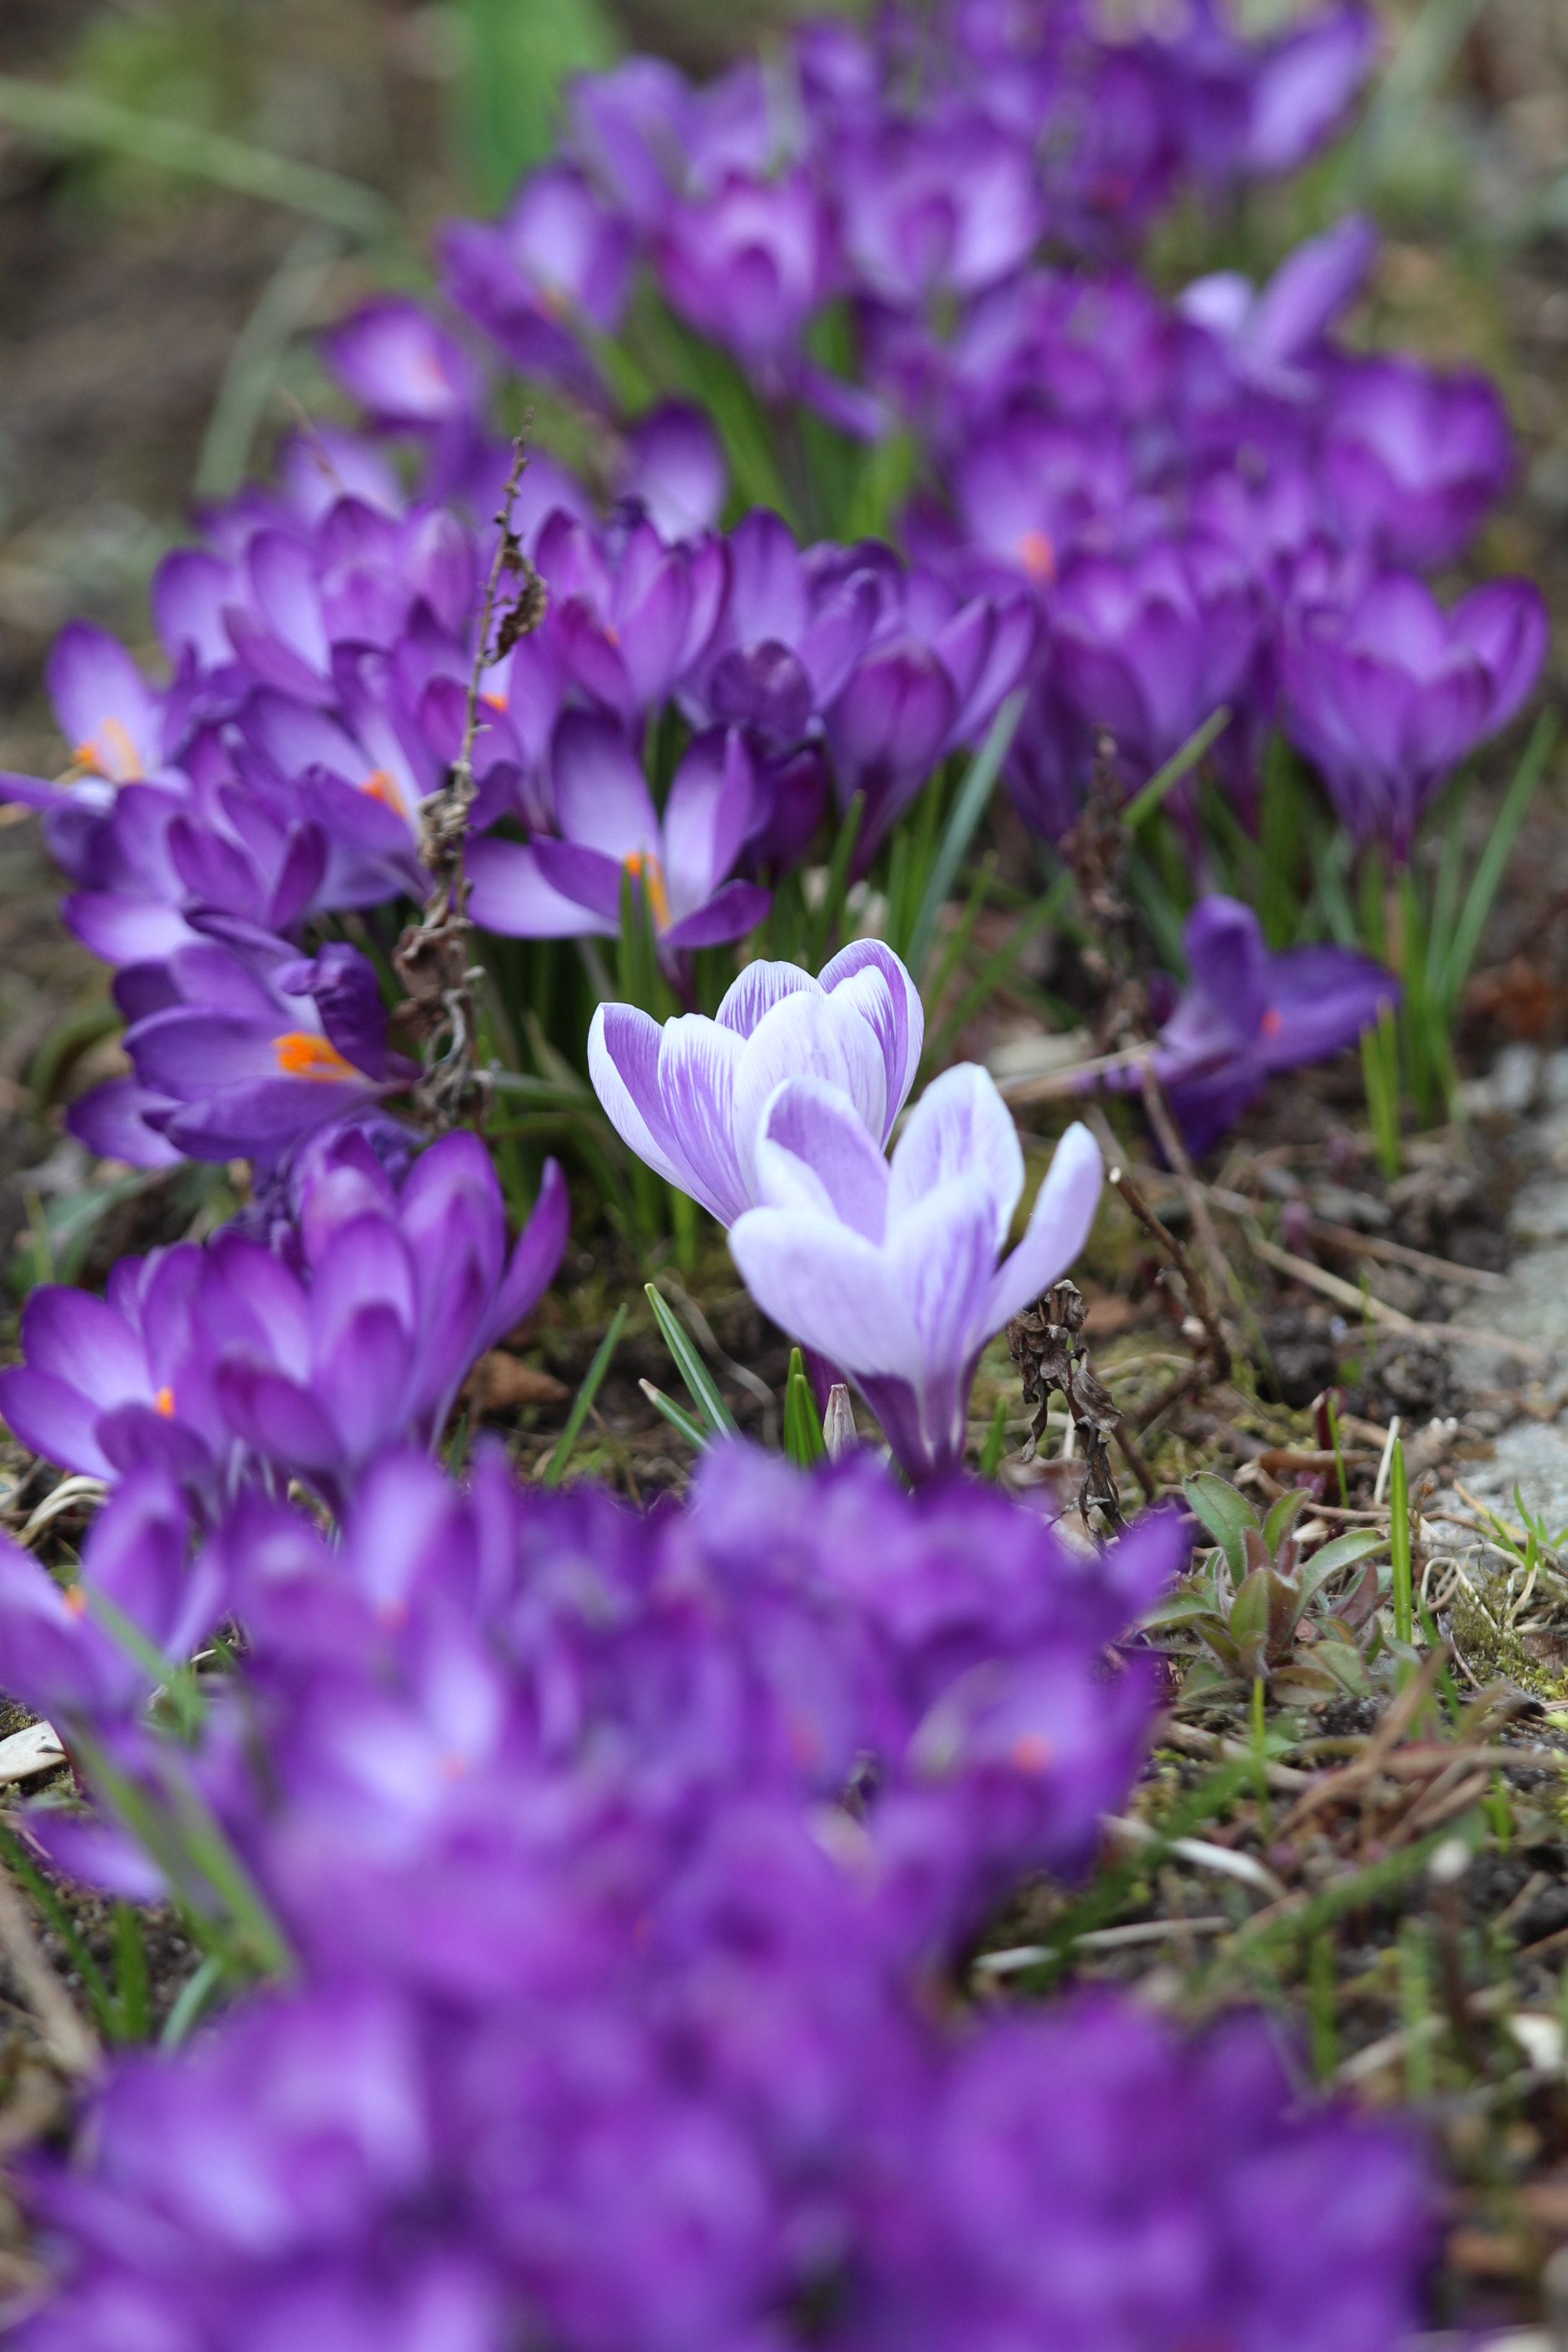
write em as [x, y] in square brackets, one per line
[163, 1403]
[496, 702]
[1037, 556]
[111, 753]
[1032, 1752]
[1271, 1025]
[75, 1600]
[300, 1054]
[646, 868]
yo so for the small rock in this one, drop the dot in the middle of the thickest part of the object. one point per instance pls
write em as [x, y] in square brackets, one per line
[1509, 1090]
[1539, 1212]
[1554, 1079]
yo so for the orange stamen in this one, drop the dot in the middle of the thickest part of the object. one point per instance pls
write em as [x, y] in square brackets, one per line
[75, 1600]
[380, 787]
[300, 1054]
[1032, 1752]
[1037, 556]
[111, 753]
[1271, 1023]
[645, 867]
[163, 1403]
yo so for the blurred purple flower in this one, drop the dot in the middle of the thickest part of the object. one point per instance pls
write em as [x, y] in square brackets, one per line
[1246, 1013]
[943, 205]
[402, 368]
[892, 1274]
[1412, 459]
[1388, 695]
[679, 865]
[1153, 645]
[674, 466]
[688, 1097]
[748, 265]
[630, 617]
[1302, 87]
[558, 261]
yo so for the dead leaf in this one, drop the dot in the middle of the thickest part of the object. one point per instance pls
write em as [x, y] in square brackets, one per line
[503, 1384]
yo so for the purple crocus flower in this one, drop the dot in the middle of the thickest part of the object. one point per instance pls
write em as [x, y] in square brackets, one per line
[674, 468]
[787, 638]
[1246, 1013]
[1387, 695]
[629, 617]
[748, 265]
[108, 1383]
[402, 368]
[891, 1272]
[688, 1097]
[1304, 84]
[1268, 334]
[1413, 460]
[945, 205]
[398, 1295]
[679, 864]
[558, 258]
[240, 1048]
[60, 1659]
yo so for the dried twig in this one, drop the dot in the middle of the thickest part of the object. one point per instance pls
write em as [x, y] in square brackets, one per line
[1158, 1231]
[1044, 1343]
[432, 957]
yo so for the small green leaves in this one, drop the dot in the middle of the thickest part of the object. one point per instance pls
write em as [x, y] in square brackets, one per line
[803, 1437]
[555, 1468]
[1225, 1514]
[716, 1414]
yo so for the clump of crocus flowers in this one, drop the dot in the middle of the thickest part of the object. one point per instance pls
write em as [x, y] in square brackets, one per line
[588, 1898]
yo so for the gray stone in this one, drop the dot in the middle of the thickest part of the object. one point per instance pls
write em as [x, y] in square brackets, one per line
[1554, 1079]
[1533, 1456]
[1539, 1212]
[1509, 1090]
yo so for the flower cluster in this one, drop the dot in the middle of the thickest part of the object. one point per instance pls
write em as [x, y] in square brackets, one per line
[226, 1363]
[620, 1863]
[1133, 512]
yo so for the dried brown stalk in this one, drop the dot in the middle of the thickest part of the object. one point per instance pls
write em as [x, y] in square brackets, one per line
[431, 958]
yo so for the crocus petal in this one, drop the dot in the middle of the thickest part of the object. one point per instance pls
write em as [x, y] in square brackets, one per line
[812, 1152]
[807, 1036]
[1059, 1227]
[873, 979]
[508, 894]
[623, 1062]
[535, 1258]
[961, 1129]
[602, 798]
[827, 1287]
[729, 914]
[49, 1417]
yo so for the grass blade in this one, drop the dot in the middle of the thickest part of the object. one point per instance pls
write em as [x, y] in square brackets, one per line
[75, 118]
[555, 1468]
[691, 1368]
[1143, 804]
[832, 907]
[105, 2008]
[804, 1441]
[959, 831]
[1495, 858]
[693, 1433]
[996, 1439]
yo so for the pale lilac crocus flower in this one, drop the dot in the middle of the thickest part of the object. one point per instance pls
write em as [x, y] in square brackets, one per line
[688, 1097]
[894, 1274]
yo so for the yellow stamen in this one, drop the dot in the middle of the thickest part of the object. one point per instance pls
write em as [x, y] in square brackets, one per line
[646, 869]
[163, 1403]
[1037, 556]
[300, 1054]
